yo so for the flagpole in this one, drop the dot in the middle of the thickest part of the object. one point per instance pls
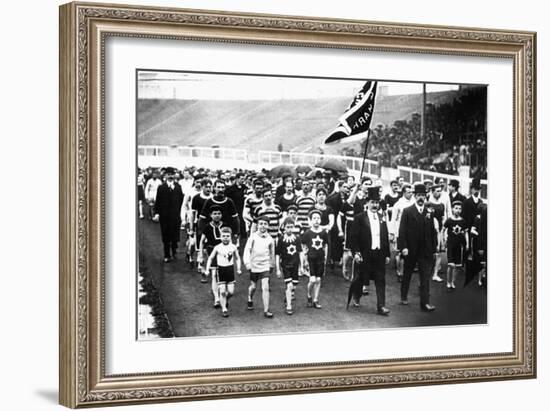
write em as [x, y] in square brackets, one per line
[364, 156]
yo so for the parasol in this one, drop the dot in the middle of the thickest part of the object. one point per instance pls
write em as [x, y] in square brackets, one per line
[332, 164]
[281, 170]
[303, 168]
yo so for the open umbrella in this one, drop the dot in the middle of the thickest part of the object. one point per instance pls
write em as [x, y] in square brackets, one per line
[313, 172]
[281, 170]
[356, 286]
[332, 164]
[303, 168]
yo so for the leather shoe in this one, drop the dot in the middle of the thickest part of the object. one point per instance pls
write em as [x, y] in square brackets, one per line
[404, 302]
[427, 307]
[383, 311]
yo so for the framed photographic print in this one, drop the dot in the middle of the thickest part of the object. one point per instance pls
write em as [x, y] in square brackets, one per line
[260, 204]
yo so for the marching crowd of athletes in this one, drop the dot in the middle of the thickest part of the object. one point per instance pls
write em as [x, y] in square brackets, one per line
[297, 226]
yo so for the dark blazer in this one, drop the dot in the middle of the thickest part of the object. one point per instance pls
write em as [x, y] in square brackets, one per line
[236, 194]
[360, 234]
[168, 203]
[470, 210]
[417, 233]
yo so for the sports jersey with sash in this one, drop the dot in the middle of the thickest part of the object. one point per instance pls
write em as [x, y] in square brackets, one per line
[225, 254]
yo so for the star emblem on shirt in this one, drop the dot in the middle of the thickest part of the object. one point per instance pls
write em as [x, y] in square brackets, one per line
[317, 243]
[456, 229]
[291, 249]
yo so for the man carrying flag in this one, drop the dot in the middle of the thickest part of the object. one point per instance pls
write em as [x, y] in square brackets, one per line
[354, 126]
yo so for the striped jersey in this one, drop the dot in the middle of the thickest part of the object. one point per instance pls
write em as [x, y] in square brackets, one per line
[273, 213]
[251, 203]
[305, 204]
[346, 215]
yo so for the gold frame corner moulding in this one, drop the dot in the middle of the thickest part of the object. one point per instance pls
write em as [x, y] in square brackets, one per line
[83, 29]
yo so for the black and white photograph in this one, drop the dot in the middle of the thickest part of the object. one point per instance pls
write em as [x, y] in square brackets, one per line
[277, 204]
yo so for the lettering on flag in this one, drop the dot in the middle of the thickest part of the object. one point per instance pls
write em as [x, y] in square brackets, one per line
[355, 122]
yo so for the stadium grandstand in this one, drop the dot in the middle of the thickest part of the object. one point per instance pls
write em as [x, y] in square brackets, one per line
[455, 127]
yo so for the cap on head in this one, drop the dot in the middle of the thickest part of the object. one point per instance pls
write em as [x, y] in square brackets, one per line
[365, 180]
[313, 212]
[215, 207]
[455, 183]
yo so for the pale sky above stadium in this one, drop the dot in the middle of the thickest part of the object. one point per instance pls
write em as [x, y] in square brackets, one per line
[196, 86]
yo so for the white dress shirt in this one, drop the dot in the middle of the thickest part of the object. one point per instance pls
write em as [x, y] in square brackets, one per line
[374, 221]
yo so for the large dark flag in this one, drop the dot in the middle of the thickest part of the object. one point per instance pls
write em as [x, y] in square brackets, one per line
[355, 122]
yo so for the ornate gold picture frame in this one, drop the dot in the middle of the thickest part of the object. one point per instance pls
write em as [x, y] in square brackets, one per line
[84, 30]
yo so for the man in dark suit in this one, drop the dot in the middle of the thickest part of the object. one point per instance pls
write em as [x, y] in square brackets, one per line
[370, 247]
[237, 192]
[454, 194]
[472, 207]
[418, 242]
[168, 206]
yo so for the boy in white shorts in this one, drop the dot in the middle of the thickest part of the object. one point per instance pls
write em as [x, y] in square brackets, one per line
[226, 255]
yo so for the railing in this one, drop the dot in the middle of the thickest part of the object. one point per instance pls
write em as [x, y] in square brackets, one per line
[262, 157]
[412, 175]
[154, 151]
[190, 151]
